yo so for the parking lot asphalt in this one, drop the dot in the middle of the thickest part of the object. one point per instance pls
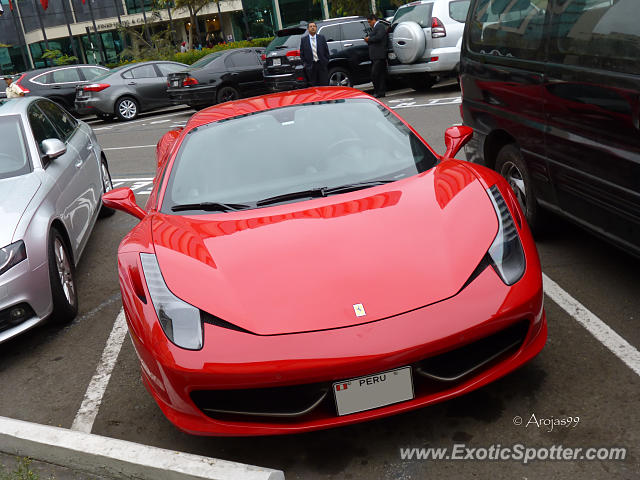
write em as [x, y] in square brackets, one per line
[45, 373]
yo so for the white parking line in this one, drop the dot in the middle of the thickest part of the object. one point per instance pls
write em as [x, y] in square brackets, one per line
[431, 103]
[132, 179]
[83, 422]
[603, 332]
[127, 148]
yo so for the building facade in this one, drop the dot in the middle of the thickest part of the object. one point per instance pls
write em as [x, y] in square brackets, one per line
[90, 29]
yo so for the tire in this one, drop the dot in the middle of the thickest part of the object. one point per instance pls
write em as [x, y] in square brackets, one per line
[227, 93]
[408, 42]
[421, 82]
[64, 293]
[127, 108]
[104, 116]
[510, 164]
[107, 185]
[340, 77]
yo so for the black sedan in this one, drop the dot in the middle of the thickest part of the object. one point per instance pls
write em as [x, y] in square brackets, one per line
[219, 77]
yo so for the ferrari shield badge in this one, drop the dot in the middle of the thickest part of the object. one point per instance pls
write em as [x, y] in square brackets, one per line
[359, 309]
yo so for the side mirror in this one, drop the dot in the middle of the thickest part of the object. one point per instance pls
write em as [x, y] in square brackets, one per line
[53, 148]
[123, 199]
[455, 138]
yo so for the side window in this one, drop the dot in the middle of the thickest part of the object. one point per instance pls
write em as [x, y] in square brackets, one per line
[331, 33]
[127, 74]
[167, 68]
[145, 71]
[92, 72]
[66, 75]
[458, 10]
[597, 34]
[508, 28]
[353, 31]
[45, 78]
[60, 119]
[243, 58]
[41, 127]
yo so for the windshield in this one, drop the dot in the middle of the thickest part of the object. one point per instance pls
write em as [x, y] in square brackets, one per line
[14, 160]
[323, 145]
[206, 60]
[420, 13]
[284, 42]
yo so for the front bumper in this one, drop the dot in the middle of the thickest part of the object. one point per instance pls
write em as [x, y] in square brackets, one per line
[23, 286]
[232, 360]
[195, 95]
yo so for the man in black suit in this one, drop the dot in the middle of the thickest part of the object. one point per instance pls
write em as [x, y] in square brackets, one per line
[377, 41]
[314, 53]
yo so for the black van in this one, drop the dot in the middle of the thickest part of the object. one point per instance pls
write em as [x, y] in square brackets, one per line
[552, 90]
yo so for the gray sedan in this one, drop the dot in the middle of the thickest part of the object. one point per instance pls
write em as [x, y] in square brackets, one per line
[52, 177]
[128, 90]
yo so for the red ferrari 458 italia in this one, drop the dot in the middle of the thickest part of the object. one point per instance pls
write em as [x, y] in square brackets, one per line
[306, 260]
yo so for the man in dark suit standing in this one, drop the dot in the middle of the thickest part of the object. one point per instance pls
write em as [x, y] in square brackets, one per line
[377, 41]
[314, 53]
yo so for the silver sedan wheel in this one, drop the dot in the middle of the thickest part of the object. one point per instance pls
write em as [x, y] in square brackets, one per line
[127, 109]
[514, 178]
[65, 272]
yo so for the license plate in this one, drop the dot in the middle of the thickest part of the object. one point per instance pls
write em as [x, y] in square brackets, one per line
[276, 62]
[175, 83]
[392, 56]
[373, 391]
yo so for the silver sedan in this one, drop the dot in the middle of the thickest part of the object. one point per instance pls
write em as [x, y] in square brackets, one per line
[52, 176]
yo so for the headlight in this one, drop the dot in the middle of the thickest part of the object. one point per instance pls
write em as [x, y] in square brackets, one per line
[507, 256]
[180, 321]
[12, 255]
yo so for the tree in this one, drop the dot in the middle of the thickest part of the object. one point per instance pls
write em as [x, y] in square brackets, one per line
[58, 57]
[194, 7]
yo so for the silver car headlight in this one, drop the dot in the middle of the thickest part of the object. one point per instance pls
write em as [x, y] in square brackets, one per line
[181, 322]
[12, 255]
[506, 253]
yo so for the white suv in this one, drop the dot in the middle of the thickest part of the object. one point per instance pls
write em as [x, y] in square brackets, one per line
[425, 39]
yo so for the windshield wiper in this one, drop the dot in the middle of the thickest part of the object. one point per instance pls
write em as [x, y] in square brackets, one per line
[211, 207]
[320, 192]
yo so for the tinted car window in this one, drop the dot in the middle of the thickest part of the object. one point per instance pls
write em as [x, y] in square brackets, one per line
[354, 30]
[286, 41]
[596, 34]
[167, 68]
[508, 28]
[458, 10]
[41, 127]
[66, 75]
[245, 58]
[92, 72]
[331, 33]
[206, 60]
[145, 71]
[14, 159]
[361, 141]
[421, 14]
[45, 78]
[61, 119]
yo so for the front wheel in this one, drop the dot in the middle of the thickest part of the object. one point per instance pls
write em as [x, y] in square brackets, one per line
[227, 94]
[511, 165]
[107, 185]
[339, 77]
[127, 109]
[62, 278]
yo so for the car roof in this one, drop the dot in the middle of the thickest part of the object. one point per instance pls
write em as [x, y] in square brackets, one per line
[37, 71]
[269, 102]
[16, 106]
[302, 27]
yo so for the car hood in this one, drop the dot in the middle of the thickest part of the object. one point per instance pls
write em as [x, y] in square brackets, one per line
[308, 265]
[15, 195]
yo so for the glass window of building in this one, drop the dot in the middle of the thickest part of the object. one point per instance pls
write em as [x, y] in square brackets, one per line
[295, 11]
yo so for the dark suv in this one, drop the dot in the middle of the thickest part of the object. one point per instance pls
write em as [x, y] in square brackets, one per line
[59, 83]
[349, 62]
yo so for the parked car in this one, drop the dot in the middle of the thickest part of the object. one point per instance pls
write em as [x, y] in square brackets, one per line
[52, 176]
[424, 41]
[218, 77]
[270, 291]
[127, 90]
[349, 62]
[553, 97]
[58, 83]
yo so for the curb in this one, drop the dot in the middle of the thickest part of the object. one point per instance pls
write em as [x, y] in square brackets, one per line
[118, 458]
